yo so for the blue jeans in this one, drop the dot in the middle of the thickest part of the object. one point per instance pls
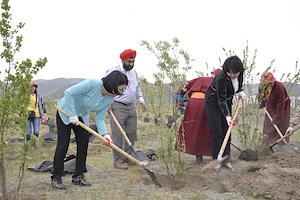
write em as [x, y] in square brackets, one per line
[35, 123]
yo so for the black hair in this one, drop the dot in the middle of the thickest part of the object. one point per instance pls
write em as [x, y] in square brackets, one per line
[112, 81]
[36, 97]
[233, 63]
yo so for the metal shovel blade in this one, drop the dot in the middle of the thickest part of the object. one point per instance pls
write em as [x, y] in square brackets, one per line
[247, 154]
[139, 155]
[153, 176]
[271, 149]
[288, 147]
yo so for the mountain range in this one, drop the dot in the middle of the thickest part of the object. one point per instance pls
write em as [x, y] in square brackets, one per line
[54, 89]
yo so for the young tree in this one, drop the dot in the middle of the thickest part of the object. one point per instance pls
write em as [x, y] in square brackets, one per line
[14, 87]
[171, 71]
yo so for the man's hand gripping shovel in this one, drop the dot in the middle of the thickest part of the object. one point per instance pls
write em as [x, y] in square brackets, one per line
[220, 159]
[142, 164]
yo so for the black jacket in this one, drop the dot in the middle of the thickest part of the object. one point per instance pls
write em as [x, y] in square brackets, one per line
[220, 92]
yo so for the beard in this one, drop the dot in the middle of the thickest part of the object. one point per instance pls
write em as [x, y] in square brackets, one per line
[127, 67]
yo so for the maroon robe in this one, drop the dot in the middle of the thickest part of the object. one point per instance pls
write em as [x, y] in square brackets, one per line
[194, 132]
[278, 105]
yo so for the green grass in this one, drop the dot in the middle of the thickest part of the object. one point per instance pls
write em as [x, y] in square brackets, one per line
[108, 182]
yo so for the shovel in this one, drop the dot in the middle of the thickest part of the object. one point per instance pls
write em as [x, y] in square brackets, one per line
[138, 155]
[142, 164]
[247, 154]
[280, 139]
[288, 147]
[220, 158]
[277, 141]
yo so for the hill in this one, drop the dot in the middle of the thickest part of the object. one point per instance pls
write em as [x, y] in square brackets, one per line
[54, 89]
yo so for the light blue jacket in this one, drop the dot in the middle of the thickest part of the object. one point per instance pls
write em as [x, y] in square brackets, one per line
[83, 98]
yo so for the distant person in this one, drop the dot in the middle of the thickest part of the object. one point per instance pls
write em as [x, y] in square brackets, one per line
[181, 98]
[273, 96]
[124, 109]
[194, 131]
[36, 110]
[78, 102]
[218, 105]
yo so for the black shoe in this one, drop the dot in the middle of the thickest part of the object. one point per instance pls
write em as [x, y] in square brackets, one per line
[199, 159]
[58, 184]
[217, 168]
[80, 180]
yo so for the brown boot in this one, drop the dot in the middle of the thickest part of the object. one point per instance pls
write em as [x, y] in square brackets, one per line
[121, 166]
[129, 162]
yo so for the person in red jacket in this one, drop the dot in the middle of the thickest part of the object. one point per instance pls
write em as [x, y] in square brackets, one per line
[273, 96]
[194, 131]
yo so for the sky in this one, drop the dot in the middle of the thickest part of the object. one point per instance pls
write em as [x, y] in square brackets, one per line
[82, 39]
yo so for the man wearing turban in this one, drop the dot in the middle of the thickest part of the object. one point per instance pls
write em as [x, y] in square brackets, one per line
[124, 108]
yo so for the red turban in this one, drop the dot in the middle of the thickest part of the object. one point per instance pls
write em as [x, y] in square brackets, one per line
[268, 78]
[128, 53]
[33, 84]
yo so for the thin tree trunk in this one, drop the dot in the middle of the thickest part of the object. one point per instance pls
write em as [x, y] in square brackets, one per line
[2, 176]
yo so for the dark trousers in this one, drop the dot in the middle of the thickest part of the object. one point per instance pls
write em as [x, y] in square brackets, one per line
[218, 127]
[63, 139]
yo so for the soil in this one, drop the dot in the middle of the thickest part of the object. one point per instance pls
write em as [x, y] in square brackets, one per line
[276, 175]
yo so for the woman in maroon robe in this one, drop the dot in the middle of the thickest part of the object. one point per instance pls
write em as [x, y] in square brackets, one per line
[194, 132]
[273, 96]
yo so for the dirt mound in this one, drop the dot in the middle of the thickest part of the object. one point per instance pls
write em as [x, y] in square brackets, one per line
[273, 176]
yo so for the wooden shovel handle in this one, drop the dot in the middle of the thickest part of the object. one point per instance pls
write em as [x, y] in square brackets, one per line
[120, 128]
[286, 135]
[279, 140]
[229, 130]
[238, 148]
[102, 138]
[296, 128]
[275, 126]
